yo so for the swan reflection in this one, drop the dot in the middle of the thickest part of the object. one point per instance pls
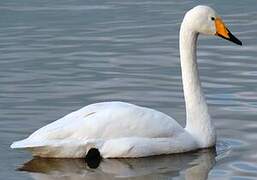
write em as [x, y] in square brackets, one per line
[194, 165]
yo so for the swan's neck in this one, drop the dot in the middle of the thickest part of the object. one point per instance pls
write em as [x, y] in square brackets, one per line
[198, 122]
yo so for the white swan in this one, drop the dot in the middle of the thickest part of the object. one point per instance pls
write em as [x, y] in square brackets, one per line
[119, 129]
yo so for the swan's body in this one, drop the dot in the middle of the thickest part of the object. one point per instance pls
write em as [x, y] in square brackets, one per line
[119, 129]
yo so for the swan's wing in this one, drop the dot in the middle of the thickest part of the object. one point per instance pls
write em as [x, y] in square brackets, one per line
[103, 121]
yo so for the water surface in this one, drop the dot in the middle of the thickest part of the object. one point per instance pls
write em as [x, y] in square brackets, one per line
[58, 56]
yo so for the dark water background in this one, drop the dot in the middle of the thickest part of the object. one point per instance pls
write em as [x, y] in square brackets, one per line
[57, 56]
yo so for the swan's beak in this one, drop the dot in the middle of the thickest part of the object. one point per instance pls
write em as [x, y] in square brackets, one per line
[222, 31]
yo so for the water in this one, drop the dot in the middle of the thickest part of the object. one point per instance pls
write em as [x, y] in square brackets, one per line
[57, 56]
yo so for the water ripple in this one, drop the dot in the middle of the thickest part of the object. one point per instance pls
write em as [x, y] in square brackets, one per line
[59, 56]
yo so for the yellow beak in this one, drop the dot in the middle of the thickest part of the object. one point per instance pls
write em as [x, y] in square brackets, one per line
[222, 31]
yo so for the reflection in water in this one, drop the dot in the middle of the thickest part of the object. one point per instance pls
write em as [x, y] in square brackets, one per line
[196, 165]
[58, 56]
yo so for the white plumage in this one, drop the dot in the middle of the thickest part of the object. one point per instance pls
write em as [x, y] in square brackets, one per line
[119, 129]
[115, 128]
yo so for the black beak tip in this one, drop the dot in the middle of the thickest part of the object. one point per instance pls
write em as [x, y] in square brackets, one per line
[234, 39]
[240, 43]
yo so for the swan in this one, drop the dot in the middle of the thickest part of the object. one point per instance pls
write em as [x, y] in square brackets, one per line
[120, 129]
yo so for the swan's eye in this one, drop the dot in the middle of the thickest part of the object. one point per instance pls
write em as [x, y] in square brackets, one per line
[212, 18]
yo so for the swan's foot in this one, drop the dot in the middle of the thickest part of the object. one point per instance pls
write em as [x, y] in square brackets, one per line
[93, 158]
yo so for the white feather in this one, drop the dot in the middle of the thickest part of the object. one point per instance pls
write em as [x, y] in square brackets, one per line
[121, 129]
[113, 127]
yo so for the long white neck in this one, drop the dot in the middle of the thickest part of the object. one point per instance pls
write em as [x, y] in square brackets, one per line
[198, 122]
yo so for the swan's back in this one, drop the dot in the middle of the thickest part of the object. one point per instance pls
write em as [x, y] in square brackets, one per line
[104, 121]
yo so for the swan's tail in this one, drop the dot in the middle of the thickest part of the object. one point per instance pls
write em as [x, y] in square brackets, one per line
[57, 148]
[25, 143]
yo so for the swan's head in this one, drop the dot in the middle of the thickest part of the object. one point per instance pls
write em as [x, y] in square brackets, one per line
[204, 20]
